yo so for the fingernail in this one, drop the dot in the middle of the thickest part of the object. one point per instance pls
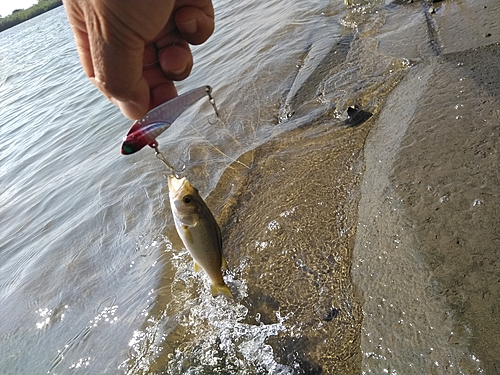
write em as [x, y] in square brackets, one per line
[180, 71]
[129, 109]
[190, 26]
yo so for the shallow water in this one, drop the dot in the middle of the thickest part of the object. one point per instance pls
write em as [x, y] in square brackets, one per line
[93, 277]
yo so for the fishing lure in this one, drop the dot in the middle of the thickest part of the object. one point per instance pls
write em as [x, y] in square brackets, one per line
[145, 131]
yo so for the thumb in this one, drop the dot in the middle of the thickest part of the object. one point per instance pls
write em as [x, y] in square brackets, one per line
[136, 105]
[118, 73]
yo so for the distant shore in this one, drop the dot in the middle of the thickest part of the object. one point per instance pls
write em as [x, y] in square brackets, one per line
[20, 15]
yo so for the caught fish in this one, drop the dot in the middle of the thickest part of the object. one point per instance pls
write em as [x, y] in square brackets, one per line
[145, 131]
[199, 231]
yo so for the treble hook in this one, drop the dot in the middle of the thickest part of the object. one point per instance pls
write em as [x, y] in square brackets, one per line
[160, 156]
[211, 100]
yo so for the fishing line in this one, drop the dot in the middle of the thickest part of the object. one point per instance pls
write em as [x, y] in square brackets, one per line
[218, 118]
[218, 149]
[211, 100]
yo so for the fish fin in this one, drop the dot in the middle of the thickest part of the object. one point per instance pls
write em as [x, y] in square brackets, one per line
[197, 267]
[224, 263]
[218, 290]
[187, 234]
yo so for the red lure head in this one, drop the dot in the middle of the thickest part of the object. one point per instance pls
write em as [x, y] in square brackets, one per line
[136, 141]
[142, 137]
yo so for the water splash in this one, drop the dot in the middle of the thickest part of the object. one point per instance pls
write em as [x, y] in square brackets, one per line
[225, 342]
[204, 334]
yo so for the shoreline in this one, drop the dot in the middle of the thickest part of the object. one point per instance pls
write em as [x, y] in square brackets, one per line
[19, 16]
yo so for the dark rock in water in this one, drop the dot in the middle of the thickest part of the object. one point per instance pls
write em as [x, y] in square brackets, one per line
[356, 116]
[332, 314]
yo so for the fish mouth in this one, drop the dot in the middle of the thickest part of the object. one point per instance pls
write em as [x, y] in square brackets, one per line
[175, 184]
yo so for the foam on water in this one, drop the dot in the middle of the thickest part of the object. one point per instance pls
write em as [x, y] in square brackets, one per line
[204, 334]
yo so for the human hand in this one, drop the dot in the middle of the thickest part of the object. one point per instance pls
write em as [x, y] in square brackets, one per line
[132, 51]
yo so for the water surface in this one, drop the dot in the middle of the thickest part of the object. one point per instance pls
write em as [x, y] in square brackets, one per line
[93, 277]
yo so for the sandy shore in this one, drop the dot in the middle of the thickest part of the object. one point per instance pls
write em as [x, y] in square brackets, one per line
[426, 257]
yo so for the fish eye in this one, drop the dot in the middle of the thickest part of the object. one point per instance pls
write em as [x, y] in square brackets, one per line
[187, 199]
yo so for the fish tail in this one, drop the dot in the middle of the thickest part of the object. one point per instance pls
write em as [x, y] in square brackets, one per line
[218, 290]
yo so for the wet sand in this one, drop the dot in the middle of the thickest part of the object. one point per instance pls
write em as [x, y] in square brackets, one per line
[426, 259]
[292, 239]
[380, 244]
